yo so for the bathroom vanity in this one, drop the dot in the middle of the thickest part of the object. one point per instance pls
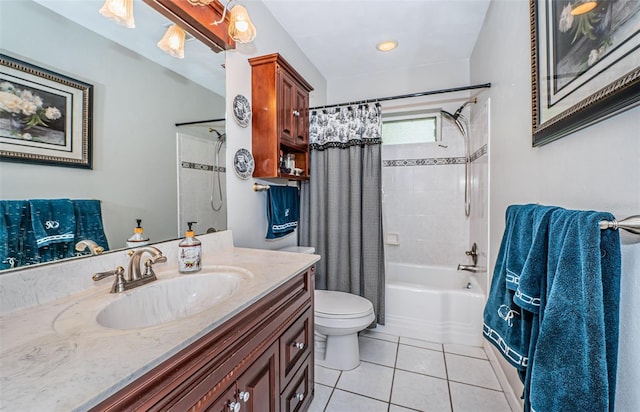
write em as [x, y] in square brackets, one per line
[251, 349]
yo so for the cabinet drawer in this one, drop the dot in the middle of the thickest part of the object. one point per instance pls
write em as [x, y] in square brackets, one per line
[295, 344]
[297, 395]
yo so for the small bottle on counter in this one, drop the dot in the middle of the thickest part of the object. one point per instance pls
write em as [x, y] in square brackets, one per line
[138, 239]
[189, 252]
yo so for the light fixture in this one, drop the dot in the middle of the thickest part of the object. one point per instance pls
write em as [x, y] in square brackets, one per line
[386, 46]
[173, 41]
[120, 11]
[583, 7]
[241, 28]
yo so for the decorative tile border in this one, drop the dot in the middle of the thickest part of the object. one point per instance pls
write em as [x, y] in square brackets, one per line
[479, 153]
[200, 166]
[435, 161]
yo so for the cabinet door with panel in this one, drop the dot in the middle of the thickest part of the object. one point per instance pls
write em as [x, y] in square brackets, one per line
[280, 117]
[259, 385]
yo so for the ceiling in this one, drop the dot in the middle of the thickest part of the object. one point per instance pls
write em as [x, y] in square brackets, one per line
[338, 36]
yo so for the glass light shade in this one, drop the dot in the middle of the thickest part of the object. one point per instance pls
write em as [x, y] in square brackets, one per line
[120, 11]
[241, 29]
[583, 7]
[173, 41]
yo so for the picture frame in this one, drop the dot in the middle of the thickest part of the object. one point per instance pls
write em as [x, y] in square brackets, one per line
[585, 67]
[45, 117]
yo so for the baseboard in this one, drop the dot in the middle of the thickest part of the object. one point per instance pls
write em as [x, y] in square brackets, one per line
[515, 403]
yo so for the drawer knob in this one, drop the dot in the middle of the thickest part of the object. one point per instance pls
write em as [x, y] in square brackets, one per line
[296, 113]
[244, 396]
[234, 406]
[300, 396]
[299, 345]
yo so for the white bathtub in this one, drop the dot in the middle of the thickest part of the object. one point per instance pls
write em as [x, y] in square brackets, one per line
[433, 304]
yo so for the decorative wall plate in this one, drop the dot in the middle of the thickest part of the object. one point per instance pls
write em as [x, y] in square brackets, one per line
[243, 164]
[241, 110]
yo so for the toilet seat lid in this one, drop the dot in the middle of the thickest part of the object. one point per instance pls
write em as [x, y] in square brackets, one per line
[341, 304]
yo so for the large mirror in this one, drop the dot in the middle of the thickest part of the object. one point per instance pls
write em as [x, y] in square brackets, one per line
[143, 165]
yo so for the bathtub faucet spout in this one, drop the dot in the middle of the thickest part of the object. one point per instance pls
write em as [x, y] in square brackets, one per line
[470, 268]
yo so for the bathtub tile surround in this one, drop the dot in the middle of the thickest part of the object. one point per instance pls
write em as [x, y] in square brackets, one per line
[196, 177]
[465, 382]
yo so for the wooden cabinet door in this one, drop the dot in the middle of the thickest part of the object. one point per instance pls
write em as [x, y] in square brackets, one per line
[259, 385]
[225, 403]
[301, 116]
[286, 125]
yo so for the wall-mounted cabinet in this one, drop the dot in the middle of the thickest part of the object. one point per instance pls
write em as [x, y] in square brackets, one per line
[280, 116]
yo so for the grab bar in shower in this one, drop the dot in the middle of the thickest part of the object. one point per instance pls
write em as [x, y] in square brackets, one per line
[630, 224]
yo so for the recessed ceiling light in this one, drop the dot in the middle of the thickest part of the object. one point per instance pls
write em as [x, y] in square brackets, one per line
[386, 46]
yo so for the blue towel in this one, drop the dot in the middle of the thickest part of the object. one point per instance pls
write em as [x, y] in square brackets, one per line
[519, 242]
[534, 267]
[88, 215]
[574, 364]
[283, 211]
[53, 221]
[17, 242]
[54, 227]
[506, 325]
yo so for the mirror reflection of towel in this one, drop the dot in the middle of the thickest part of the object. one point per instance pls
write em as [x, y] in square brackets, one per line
[283, 211]
[88, 214]
[53, 221]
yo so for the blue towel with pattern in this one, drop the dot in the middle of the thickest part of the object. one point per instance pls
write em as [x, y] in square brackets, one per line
[283, 211]
[53, 221]
[506, 325]
[574, 364]
[88, 216]
[17, 241]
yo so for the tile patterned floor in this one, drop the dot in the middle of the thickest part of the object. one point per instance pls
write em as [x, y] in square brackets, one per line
[399, 374]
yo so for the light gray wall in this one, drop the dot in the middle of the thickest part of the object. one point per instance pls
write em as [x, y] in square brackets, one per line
[136, 104]
[596, 168]
[246, 215]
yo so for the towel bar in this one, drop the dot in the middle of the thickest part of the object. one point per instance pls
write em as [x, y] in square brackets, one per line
[630, 224]
[260, 188]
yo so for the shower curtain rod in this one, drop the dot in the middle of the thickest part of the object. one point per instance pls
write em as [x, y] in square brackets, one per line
[200, 121]
[405, 96]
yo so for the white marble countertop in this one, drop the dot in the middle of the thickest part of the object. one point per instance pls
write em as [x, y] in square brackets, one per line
[56, 357]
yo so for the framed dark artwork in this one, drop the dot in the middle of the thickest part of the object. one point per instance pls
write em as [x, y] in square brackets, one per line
[45, 117]
[585, 63]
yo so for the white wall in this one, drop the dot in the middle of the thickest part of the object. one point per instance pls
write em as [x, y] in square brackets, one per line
[247, 216]
[136, 104]
[596, 168]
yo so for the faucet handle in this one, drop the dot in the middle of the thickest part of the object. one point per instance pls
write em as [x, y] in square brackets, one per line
[473, 253]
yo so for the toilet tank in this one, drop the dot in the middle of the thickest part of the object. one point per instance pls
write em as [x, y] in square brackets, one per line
[299, 249]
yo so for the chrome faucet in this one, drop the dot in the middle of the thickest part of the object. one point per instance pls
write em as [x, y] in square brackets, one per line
[94, 248]
[134, 263]
[134, 277]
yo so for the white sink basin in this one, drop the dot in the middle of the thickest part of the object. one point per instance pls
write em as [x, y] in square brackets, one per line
[167, 300]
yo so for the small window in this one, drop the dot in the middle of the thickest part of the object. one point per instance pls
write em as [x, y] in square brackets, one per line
[413, 130]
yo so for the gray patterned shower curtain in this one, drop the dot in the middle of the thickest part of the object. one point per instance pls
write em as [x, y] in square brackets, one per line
[342, 202]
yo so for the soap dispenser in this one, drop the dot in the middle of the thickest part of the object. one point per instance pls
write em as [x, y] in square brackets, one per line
[189, 252]
[138, 239]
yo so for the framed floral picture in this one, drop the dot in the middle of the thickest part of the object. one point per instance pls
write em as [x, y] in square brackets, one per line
[585, 63]
[45, 117]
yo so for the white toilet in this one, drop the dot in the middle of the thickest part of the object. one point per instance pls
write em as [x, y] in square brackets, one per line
[338, 318]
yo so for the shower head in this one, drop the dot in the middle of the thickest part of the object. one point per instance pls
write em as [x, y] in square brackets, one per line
[221, 136]
[457, 116]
